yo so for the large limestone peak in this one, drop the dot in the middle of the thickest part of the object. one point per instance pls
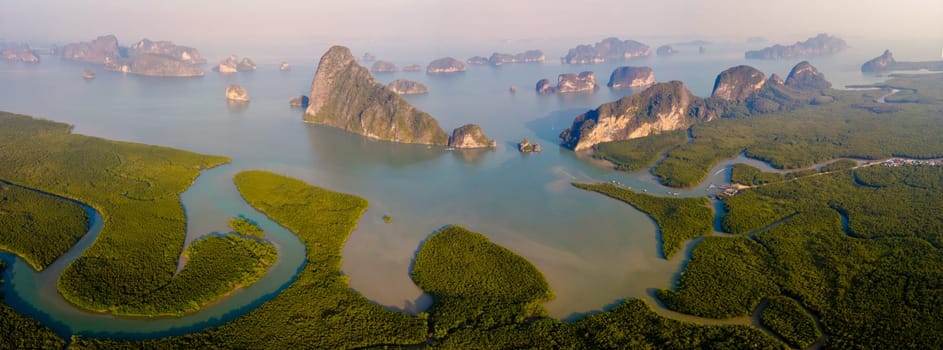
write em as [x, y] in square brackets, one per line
[662, 107]
[737, 83]
[345, 95]
[806, 77]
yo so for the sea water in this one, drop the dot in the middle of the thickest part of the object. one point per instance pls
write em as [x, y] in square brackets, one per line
[593, 250]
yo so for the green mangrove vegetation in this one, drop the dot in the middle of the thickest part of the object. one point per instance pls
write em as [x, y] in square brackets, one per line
[845, 128]
[246, 227]
[678, 219]
[216, 266]
[859, 248]
[485, 296]
[20, 332]
[747, 175]
[639, 153]
[38, 227]
[789, 320]
[135, 187]
[476, 283]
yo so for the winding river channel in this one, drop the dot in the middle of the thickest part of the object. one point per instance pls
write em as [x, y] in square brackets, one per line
[593, 250]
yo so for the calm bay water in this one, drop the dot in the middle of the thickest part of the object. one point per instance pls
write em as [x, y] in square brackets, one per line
[593, 250]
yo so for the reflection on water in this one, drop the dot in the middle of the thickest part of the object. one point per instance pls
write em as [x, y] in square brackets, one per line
[237, 106]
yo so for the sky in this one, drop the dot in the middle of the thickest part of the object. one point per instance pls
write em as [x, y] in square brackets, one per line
[225, 24]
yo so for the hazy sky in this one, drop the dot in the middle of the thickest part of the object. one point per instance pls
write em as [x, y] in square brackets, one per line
[242, 22]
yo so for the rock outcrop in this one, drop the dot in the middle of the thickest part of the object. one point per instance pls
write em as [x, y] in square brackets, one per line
[102, 50]
[478, 61]
[470, 136]
[525, 146]
[528, 56]
[232, 65]
[606, 50]
[284, 66]
[806, 77]
[87, 74]
[412, 68]
[345, 95]
[660, 108]
[383, 67]
[299, 101]
[569, 82]
[235, 92]
[445, 65]
[544, 86]
[886, 62]
[631, 77]
[407, 87]
[665, 50]
[229, 65]
[246, 65]
[823, 44]
[18, 52]
[155, 66]
[180, 53]
[880, 63]
[737, 83]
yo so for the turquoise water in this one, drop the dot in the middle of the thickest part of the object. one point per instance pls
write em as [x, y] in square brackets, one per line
[593, 250]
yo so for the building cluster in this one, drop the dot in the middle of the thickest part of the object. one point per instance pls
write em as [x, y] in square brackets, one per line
[895, 162]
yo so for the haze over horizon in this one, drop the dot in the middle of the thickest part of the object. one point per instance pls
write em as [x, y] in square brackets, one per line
[232, 25]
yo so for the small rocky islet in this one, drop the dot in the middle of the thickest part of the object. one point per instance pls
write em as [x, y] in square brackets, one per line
[819, 45]
[568, 82]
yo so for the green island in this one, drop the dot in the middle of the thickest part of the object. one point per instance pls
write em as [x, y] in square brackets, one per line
[246, 227]
[851, 126]
[38, 227]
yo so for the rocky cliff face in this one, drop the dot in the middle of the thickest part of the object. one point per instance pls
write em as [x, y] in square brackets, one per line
[235, 92]
[823, 44]
[18, 53]
[345, 95]
[445, 65]
[102, 50]
[662, 107]
[470, 136]
[180, 53]
[569, 82]
[665, 50]
[383, 67]
[630, 77]
[606, 50]
[407, 87]
[806, 77]
[737, 83]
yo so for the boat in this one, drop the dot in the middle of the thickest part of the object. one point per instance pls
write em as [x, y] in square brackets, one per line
[88, 74]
